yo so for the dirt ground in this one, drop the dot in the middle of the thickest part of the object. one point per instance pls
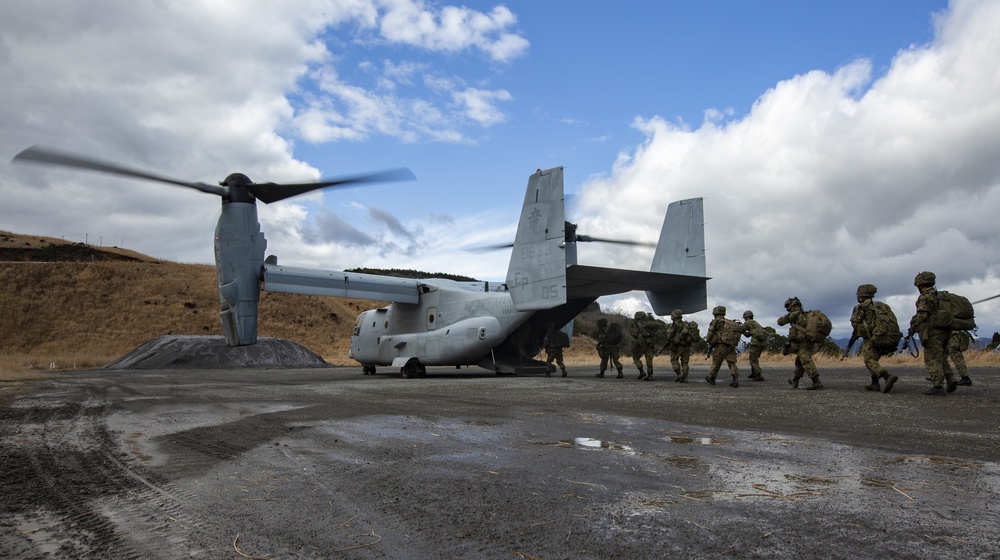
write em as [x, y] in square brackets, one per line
[323, 463]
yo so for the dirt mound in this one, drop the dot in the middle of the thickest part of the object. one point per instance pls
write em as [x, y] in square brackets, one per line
[212, 352]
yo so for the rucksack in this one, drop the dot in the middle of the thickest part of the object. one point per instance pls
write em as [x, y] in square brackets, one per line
[561, 339]
[884, 330]
[954, 312]
[730, 332]
[657, 333]
[614, 334]
[818, 326]
[691, 332]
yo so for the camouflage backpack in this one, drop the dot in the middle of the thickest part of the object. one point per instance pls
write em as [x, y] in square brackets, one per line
[884, 330]
[818, 326]
[954, 312]
[691, 333]
[730, 332]
[657, 333]
[561, 339]
[614, 334]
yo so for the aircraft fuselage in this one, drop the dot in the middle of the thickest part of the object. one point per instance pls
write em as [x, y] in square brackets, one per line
[452, 324]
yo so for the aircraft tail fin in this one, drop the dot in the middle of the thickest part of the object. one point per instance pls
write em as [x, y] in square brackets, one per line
[681, 251]
[536, 276]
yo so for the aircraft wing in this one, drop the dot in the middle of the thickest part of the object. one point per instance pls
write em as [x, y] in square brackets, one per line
[339, 284]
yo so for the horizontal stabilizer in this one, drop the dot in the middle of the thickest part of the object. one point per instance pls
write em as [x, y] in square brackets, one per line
[339, 284]
[589, 282]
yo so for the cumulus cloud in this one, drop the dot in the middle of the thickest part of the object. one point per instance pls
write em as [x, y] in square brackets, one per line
[196, 90]
[836, 179]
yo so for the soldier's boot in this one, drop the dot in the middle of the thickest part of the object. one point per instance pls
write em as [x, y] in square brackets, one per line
[620, 374]
[759, 376]
[683, 379]
[950, 383]
[874, 386]
[735, 383]
[965, 382]
[935, 391]
[649, 376]
[816, 384]
[642, 374]
[710, 380]
[890, 380]
[794, 381]
[600, 375]
[564, 372]
[679, 375]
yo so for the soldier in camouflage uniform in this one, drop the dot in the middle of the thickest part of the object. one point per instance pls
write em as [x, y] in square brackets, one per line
[756, 345]
[606, 350]
[934, 339]
[679, 339]
[720, 350]
[799, 345]
[553, 350]
[862, 319]
[642, 344]
[957, 344]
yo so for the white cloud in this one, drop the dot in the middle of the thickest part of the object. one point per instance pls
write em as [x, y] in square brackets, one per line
[453, 29]
[833, 180]
[195, 90]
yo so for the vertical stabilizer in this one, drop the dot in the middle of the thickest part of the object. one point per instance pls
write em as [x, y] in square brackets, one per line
[681, 250]
[536, 276]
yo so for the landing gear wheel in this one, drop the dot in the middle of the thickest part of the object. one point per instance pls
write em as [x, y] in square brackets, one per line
[412, 369]
[368, 370]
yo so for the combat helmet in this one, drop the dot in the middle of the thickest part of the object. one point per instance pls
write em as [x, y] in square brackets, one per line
[924, 278]
[748, 314]
[676, 314]
[867, 290]
[639, 314]
[601, 322]
[719, 310]
[792, 302]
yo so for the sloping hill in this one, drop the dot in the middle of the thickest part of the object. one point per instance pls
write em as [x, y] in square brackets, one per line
[64, 301]
[94, 301]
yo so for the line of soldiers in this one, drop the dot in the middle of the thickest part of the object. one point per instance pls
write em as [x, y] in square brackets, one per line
[650, 335]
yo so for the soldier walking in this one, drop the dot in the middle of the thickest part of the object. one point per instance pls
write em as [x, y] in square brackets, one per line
[863, 320]
[609, 339]
[756, 345]
[642, 345]
[934, 339]
[554, 343]
[680, 336]
[723, 347]
[799, 344]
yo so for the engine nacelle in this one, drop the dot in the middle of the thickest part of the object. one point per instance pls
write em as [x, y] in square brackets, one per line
[239, 257]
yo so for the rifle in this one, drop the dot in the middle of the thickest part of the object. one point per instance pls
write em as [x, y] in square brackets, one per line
[906, 345]
[850, 344]
[711, 348]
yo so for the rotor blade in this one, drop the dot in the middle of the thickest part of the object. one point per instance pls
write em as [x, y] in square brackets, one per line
[587, 238]
[48, 156]
[273, 192]
[485, 248]
[987, 299]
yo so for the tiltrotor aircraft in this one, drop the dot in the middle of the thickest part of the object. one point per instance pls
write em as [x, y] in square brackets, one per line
[434, 321]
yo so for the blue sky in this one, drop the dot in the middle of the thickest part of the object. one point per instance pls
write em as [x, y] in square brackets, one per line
[835, 143]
